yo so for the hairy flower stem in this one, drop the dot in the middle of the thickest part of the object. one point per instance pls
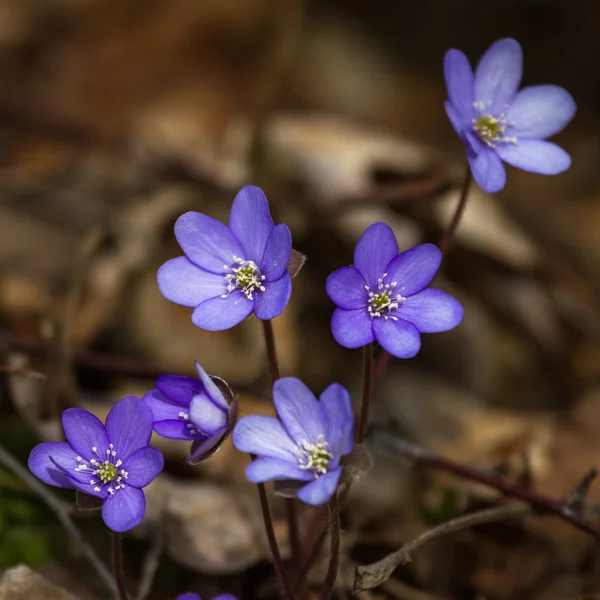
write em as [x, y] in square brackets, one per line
[383, 360]
[290, 503]
[286, 588]
[359, 433]
[117, 552]
[448, 238]
[334, 553]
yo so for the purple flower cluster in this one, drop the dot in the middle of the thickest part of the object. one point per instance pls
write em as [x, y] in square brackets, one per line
[383, 296]
[229, 272]
[498, 123]
[112, 462]
[305, 444]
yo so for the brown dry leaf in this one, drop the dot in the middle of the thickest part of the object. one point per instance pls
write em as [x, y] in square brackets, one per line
[21, 583]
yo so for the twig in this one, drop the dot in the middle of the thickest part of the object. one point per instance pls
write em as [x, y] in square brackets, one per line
[334, 553]
[370, 576]
[62, 511]
[575, 500]
[542, 504]
[151, 564]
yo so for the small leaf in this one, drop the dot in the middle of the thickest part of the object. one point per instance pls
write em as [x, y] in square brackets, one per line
[296, 262]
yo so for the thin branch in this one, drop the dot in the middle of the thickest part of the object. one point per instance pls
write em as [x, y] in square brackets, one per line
[576, 499]
[62, 511]
[370, 576]
[541, 503]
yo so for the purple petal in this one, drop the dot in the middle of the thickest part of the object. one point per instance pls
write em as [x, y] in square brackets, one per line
[189, 596]
[218, 314]
[179, 389]
[352, 328]
[129, 426]
[177, 429]
[465, 132]
[211, 389]
[456, 120]
[400, 338]
[182, 282]
[143, 466]
[124, 509]
[206, 415]
[414, 269]
[162, 408]
[541, 111]
[268, 469]
[459, 81]
[488, 170]
[84, 431]
[337, 408]
[321, 489]
[536, 156]
[272, 302]
[431, 311]
[277, 253]
[498, 75]
[205, 448]
[223, 597]
[43, 468]
[346, 287]
[374, 251]
[207, 242]
[299, 410]
[264, 436]
[251, 222]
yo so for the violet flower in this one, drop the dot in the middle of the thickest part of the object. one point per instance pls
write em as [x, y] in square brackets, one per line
[200, 410]
[229, 272]
[497, 123]
[112, 463]
[304, 444]
[383, 296]
[192, 596]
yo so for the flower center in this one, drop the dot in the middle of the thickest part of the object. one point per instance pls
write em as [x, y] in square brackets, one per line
[246, 277]
[106, 471]
[384, 300]
[315, 456]
[192, 429]
[491, 129]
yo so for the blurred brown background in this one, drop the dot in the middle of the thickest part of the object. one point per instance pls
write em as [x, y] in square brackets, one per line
[118, 115]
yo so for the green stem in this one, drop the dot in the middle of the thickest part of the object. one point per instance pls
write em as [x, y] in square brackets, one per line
[117, 552]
